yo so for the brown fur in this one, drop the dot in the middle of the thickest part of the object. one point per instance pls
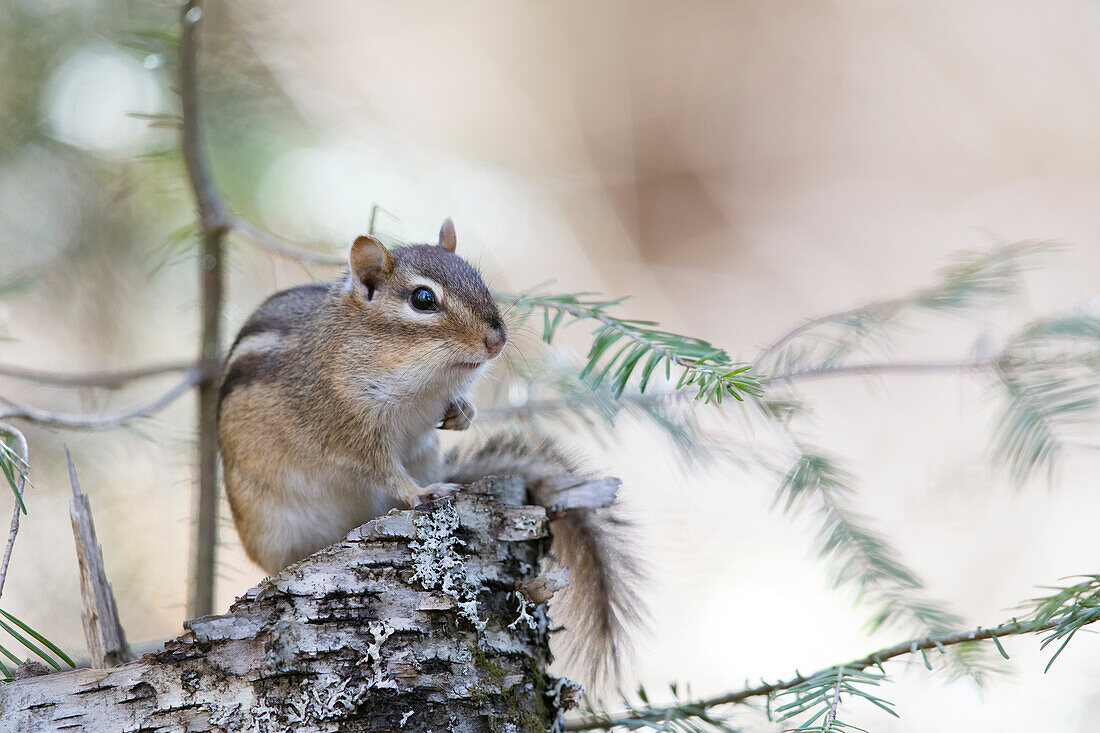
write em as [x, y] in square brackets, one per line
[330, 401]
[601, 605]
[332, 393]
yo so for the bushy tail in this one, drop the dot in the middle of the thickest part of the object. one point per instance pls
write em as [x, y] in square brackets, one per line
[601, 604]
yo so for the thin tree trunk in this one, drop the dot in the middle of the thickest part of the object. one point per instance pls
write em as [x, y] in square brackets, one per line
[213, 224]
[414, 622]
[205, 543]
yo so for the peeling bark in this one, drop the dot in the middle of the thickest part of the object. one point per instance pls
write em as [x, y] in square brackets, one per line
[414, 622]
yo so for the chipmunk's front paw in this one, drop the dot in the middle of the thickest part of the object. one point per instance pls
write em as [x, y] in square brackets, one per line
[459, 415]
[437, 491]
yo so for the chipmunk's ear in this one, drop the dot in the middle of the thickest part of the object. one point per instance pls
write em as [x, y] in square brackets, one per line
[447, 235]
[371, 263]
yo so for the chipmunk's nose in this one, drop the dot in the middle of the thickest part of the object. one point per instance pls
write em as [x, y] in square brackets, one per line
[495, 339]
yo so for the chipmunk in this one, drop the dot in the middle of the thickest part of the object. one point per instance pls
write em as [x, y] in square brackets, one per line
[330, 401]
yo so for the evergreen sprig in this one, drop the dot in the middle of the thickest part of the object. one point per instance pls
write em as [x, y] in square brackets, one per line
[620, 347]
[820, 697]
[1050, 375]
[858, 555]
[14, 466]
[14, 469]
[681, 714]
[1065, 612]
[33, 641]
[581, 405]
[974, 281]
[1055, 617]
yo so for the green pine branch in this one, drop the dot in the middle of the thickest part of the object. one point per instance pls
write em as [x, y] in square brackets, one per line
[621, 347]
[15, 467]
[33, 642]
[1053, 618]
[974, 281]
[821, 695]
[582, 406]
[1050, 375]
[1065, 612]
[858, 556]
[682, 715]
[1047, 388]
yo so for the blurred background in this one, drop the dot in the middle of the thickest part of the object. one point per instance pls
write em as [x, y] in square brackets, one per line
[735, 167]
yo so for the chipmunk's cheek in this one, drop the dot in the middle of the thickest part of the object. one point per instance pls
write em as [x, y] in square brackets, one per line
[470, 359]
[468, 366]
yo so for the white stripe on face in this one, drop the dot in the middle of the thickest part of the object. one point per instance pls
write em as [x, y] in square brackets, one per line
[258, 342]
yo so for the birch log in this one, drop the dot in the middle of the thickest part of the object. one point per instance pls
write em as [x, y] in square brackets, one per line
[413, 622]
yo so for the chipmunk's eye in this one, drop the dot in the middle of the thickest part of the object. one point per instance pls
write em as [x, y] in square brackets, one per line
[423, 299]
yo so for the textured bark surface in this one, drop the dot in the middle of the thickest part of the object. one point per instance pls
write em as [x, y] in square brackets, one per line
[411, 623]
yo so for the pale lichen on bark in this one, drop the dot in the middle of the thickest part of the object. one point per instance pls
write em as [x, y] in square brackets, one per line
[439, 566]
[408, 624]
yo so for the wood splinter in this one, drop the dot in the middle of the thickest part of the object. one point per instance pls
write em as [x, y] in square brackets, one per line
[102, 627]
